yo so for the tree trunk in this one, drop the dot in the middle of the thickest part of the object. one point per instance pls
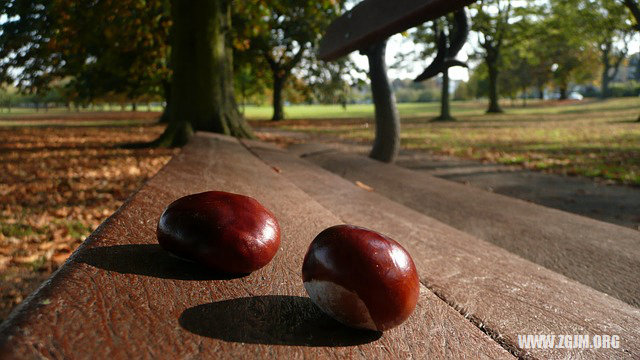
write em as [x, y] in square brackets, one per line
[278, 86]
[606, 66]
[387, 141]
[445, 110]
[494, 106]
[166, 88]
[563, 93]
[134, 106]
[202, 95]
[605, 91]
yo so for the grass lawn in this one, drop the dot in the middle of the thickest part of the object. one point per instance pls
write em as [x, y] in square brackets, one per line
[591, 137]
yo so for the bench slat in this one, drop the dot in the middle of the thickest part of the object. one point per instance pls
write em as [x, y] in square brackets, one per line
[504, 294]
[603, 256]
[372, 21]
[120, 296]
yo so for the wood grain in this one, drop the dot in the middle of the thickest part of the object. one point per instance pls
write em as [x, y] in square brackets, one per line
[500, 292]
[601, 255]
[372, 21]
[120, 296]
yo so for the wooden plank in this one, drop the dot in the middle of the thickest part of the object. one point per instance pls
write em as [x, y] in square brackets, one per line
[120, 296]
[603, 256]
[501, 293]
[372, 21]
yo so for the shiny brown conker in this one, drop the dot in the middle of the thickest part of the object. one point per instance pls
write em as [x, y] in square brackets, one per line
[360, 277]
[220, 230]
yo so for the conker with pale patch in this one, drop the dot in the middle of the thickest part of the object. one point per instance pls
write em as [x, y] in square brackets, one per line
[221, 231]
[360, 277]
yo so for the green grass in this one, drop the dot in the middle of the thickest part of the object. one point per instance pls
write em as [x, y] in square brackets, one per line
[590, 138]
[82, 123]
[352, 111]
[17, 230]
[17, 111]
[77, 230]
[430, 110]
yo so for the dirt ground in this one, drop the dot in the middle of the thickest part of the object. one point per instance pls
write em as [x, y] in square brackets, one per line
[57, 184]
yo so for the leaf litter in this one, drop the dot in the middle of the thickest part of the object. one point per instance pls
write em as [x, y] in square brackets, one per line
[57, 184]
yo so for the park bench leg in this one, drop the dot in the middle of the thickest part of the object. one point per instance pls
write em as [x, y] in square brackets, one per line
[387, 140]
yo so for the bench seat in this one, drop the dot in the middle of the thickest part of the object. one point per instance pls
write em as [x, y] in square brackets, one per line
[601, 255]
[120, 296]
[502, 293]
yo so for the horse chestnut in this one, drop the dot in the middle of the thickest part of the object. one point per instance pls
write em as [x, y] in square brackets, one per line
[220, 230]
[360, 277]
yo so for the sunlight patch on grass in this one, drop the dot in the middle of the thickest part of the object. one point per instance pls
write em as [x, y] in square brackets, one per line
[593, 138]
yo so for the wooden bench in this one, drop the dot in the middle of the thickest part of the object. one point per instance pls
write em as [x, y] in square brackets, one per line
[366, 28]
[601, 255]
[119, 295]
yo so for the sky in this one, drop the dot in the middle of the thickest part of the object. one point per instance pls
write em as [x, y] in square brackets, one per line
[398, 44]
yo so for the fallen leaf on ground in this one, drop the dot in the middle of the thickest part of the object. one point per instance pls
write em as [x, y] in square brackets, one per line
[364, 186]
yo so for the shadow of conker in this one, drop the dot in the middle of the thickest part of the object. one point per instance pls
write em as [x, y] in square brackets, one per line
[148, 260]
[272, 320]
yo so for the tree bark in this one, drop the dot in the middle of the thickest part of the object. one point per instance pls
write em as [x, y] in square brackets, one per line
[494, 105]
[605, 91]
[387, 139]
[278, 101]
[445, 109]
[166, 88]
[563, 93]
[606, 67]
[202, 95]
[635, 11]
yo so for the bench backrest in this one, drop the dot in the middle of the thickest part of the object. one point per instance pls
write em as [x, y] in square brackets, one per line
[372, 21]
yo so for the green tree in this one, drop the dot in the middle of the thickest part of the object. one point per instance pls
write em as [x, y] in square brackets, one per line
[449, 33]
[282, 32]
[568, 43]
[26, 50]
[117, 46]
[491, 23]
[611, 31]
[202, 89]
[104, 46]
[634, 8]
[331, 82]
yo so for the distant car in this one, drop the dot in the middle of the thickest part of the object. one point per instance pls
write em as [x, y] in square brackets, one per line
[575, 96]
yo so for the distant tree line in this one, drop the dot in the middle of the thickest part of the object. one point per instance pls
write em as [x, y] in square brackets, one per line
[121, 50]
[525, 49]
[203, 57]
[532, 48]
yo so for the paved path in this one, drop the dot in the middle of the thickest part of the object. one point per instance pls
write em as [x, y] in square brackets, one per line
[611, 203]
